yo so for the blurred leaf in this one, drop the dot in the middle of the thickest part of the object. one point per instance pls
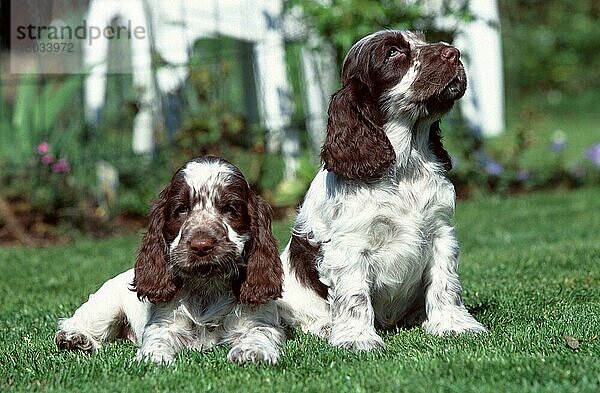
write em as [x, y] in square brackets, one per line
[23, 138]
[572, 342]
[54, 98]
[36, 113]
[24, 101]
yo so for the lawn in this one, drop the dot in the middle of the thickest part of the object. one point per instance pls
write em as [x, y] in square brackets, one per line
[530, 270]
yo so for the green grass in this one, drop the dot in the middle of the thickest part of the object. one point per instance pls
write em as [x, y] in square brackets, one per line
[530, 270]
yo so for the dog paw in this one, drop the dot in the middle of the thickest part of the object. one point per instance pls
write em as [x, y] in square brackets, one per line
[360, 343]
[75, 341]
[320, 328]
[452, 324]
[157, 357]
[245, 354]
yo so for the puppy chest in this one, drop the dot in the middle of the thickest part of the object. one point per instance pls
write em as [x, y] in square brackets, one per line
[400, 248]
[396, 247]
[388, 229]
[200, 321]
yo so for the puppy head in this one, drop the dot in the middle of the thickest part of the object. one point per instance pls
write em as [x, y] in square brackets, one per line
[388, 76]
[207, 223]
[424, 79]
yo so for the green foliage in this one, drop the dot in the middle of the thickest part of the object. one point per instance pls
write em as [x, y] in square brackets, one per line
[42, 115]
[552, 52]
[343, 22]
[528, 157]
[529, 271]
[290, 191]
[551, 48]
[218, 116]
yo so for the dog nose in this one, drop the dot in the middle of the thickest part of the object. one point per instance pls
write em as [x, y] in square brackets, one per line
[202, 245]
[450, 54]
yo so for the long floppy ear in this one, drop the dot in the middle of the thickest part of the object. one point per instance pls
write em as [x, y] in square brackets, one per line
[356, 146]
[263, 280]
[153, 280]
[436, 146]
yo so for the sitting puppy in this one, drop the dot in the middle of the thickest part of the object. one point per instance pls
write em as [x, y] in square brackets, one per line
[205, 274]
[373, 243]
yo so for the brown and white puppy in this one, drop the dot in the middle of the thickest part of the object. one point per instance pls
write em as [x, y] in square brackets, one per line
[373, 243]
[206, 274]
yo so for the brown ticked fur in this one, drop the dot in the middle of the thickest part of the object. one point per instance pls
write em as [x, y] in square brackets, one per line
[260, 276]
[356, 146]
[436, 146]
[303, 262]
[153, 280]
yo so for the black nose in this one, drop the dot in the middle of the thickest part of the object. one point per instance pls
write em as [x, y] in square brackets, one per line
[202, 245]
[450, 54]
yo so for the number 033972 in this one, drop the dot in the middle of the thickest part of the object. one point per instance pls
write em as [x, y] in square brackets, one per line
[52, 47]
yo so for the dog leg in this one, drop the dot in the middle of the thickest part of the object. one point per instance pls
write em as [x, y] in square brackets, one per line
[162, 339]
[158, 345]
[446, 313]
[351, 310]
[256, 334]
[102, 318]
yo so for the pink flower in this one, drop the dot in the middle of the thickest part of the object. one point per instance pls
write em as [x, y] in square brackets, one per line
[43, 148]
[61, 166]
[47, 159]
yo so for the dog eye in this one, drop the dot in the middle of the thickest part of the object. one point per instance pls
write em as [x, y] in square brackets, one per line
[180, 210]
[230, 209]
[395, 52]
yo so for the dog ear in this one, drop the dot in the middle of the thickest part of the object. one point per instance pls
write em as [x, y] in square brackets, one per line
[153, 280]
[436, 146]
[263, 280]
[356, 146]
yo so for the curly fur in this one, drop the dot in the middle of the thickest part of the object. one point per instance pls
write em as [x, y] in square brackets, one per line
[373, 244]
[206, 274]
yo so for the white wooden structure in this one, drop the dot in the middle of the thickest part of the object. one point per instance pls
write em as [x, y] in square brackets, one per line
[480, 43]
[174, 26]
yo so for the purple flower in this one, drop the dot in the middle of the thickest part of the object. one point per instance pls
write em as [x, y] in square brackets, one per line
[523, 175]
[43, 148]
[559, 141]
[61, 166]
[593, 153]
[493, 168]
[558, 146]
[47, 159]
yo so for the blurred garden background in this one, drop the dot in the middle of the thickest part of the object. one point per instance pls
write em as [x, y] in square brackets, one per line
[86, 145]
[65, 172]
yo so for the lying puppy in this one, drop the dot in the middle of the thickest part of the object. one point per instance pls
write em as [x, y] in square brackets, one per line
[373, 244]
[205, 275]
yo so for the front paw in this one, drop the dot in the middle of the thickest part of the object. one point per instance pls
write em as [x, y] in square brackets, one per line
[452, 323]
[75, 341]
[362, 341]
[320, 328]
[245, 353]
[157, 357]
